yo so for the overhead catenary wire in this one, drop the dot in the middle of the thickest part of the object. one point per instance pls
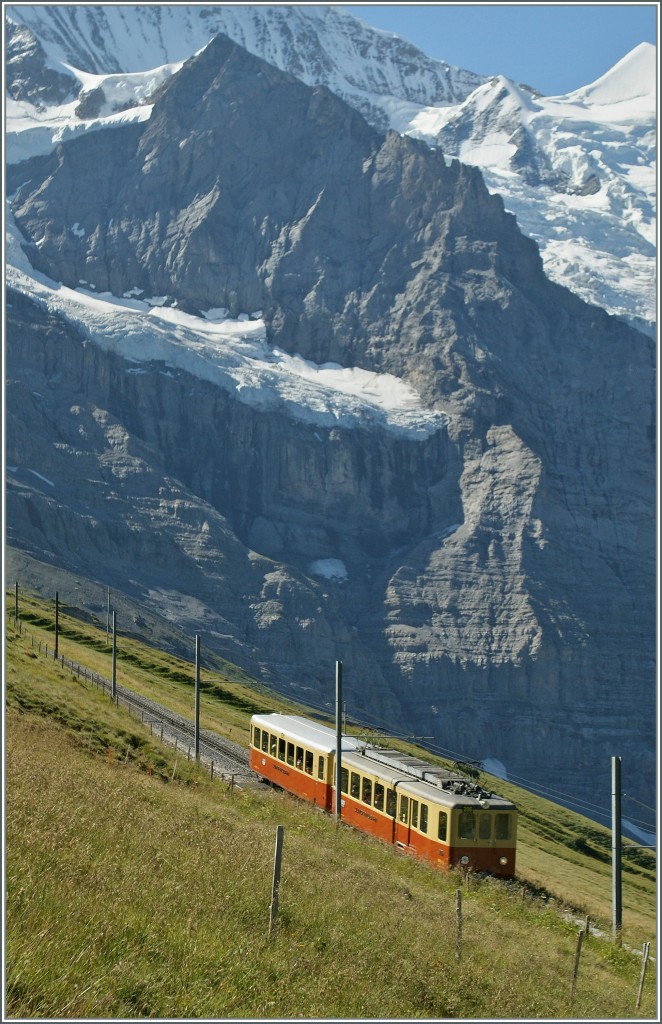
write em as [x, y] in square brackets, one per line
[587, 807]
[635, 801]
[591, 809]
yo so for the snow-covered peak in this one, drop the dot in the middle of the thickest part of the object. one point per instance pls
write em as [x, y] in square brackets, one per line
[632, 78]
[319, 44]
[578, 171]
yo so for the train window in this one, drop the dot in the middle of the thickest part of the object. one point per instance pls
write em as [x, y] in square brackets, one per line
[281, 749]
[414, 813]
[503, 826]
[424, 818]
[485, 826]
[320, 768]
[404, 809]
[379, 796]
[443, 826]
[273, 744]
[299, 757]
[466, 825]
[265, 740]
[390, 802]
[308, 763]
[290, 753]
[355, 785]
[366, 791]
[256, 737]
[344, 780]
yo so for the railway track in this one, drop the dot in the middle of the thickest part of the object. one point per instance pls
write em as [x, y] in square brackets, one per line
[227, 758]
[219, 755]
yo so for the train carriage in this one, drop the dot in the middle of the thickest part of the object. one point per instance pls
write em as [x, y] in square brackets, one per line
[297, 754]
[423, 810]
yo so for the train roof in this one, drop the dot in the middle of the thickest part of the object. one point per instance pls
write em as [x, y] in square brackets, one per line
[425, 781]
[311, 734]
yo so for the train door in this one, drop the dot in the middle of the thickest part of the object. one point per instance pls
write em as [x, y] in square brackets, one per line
[409, 812]
[404, 826]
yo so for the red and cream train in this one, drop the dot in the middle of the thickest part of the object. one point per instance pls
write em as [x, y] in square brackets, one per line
[427, 811]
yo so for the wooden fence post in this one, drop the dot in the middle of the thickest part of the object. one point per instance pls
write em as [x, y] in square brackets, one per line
[275, 887]
[644, 961]
[578, 953]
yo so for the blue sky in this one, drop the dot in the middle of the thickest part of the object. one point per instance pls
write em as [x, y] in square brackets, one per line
[554, 48]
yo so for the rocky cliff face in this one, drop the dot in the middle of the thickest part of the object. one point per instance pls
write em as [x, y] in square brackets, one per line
[500, 569]
[28, 75]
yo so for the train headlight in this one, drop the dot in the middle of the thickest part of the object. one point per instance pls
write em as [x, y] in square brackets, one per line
[503, 860]
[464, 860]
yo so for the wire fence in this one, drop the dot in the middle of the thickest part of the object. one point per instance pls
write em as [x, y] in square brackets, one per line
[168, 734]
[160, 728]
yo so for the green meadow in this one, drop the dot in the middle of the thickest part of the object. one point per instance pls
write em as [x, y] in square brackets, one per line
[138, 887]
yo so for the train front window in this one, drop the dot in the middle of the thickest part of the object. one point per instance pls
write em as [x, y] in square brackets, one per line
[290, 753]
[485, 826]
[256, 737]
[424, 818]
[308, 765]
[344, 780]
[281, 749]
[503, 826]
[379, 796]
[466, 825]
[300, 757]
[390, 802]
[265, 741]
[443, 826]
[355, 785]
[320, 768]
[273, 745]
[404, 809]
[366, 791]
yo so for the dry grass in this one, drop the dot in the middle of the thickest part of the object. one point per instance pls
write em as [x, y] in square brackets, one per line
[129, 895]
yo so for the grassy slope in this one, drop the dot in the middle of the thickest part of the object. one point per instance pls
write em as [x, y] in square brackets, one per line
[129, 895]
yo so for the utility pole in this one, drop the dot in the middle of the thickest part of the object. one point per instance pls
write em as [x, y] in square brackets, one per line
[108, 615]
[338, 739]
[616, 853]
[16, 604]
[57, 623]
[114, 689]
[197, 697]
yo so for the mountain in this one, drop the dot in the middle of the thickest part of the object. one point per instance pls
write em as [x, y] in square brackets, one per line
[302, 385]
[578, 171]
